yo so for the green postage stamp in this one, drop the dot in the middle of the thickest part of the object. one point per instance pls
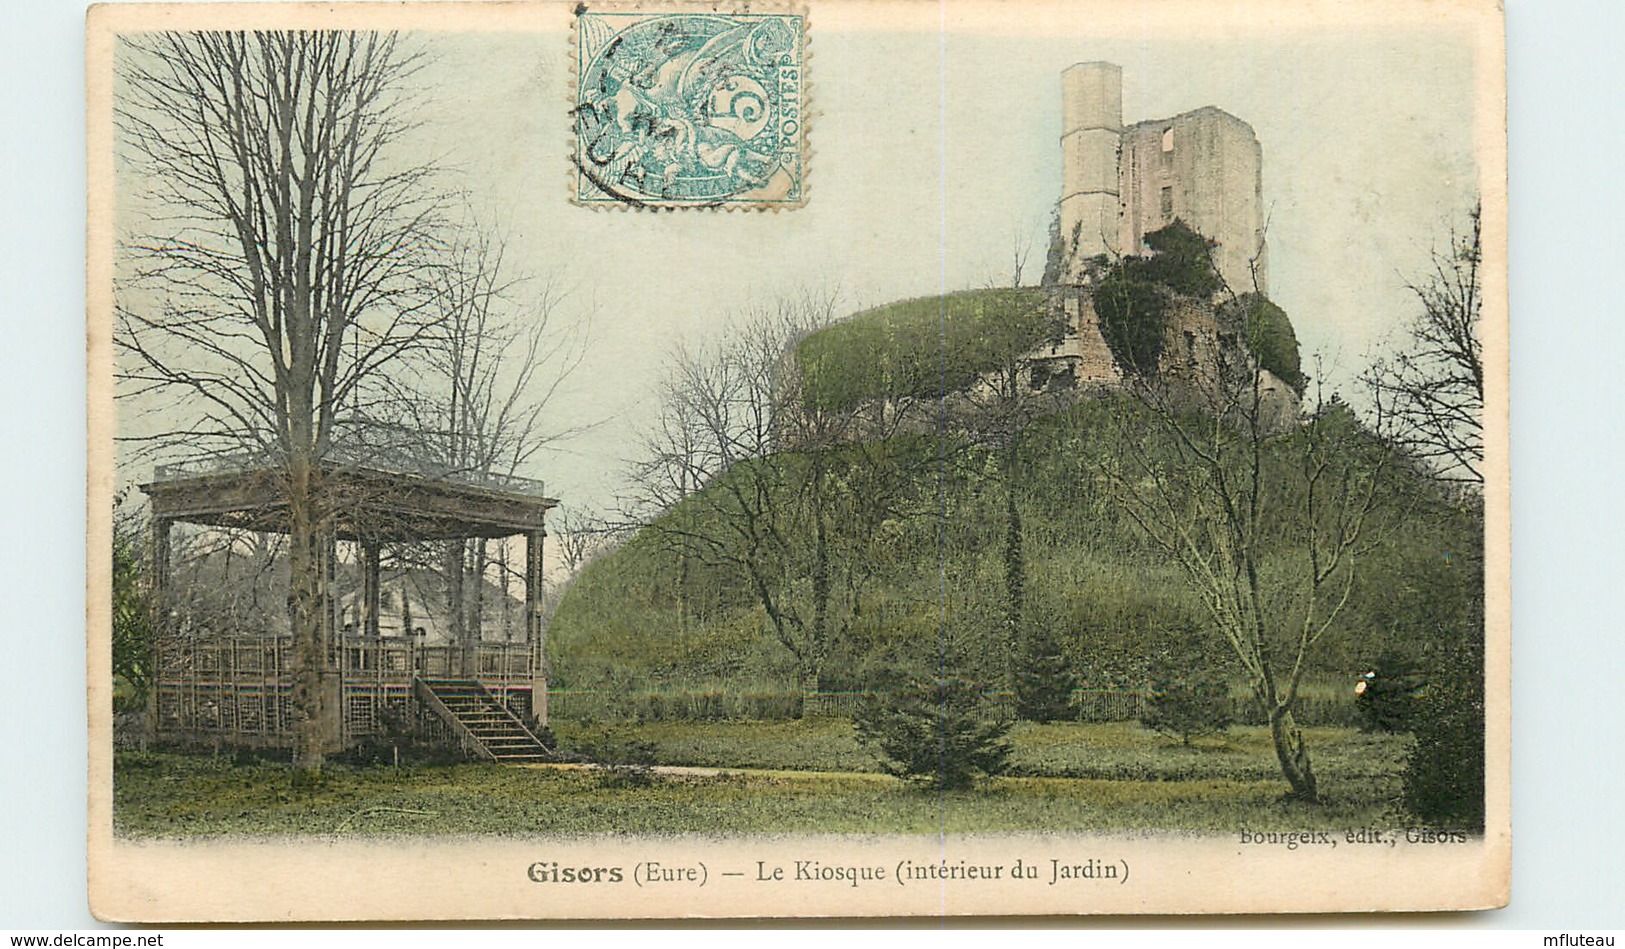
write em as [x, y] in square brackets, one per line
[696, 108]
[1092, 500]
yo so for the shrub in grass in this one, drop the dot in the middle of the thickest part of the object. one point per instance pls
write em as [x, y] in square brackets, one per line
[939, 732]
[1045, 682]
[1388, 694]
[623, 762]
[1188, 696]
[1444, 776]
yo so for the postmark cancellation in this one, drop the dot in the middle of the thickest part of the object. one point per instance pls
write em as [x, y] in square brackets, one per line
[697, 107]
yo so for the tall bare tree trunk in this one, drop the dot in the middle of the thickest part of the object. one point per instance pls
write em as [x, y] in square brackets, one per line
[307, 615]
[819, 646]
[1015, 570]
[1292, 754]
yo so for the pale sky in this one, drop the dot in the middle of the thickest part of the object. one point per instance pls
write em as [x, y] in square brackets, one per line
[934, 144]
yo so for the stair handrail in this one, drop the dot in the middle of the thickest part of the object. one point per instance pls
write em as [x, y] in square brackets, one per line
[466, 738]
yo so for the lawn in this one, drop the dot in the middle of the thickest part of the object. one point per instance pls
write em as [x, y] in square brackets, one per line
[1118, 751]
[813, 778]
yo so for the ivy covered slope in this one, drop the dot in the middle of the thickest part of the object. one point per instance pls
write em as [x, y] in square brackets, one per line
[797, 566]
[663, 611]
[921, 349]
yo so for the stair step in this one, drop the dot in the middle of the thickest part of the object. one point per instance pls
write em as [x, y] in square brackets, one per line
[487, 720]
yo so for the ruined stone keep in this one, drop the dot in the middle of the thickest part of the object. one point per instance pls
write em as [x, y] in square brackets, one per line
[1119, 183]
[1204, 167]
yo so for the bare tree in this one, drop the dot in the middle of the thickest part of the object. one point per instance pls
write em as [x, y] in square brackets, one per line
[727, 405]
[854, 475]
[491, 373]
[1010, 395]
[1266, 518]
[581, 537]
[1021, 248]
[484, 386]
[1429, 396]
[753, 479]
[1267, 526]
[282, 276]
[1020, 252]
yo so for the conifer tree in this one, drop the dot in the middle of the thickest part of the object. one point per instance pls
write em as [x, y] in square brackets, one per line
[1045, 680]
[1187, 696]
[937, 731]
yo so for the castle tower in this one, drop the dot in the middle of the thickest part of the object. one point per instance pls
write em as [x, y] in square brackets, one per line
[1091, 134]
[1119, 183]
[1204, 168]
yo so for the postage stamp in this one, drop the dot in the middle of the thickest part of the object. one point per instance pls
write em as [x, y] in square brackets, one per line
[690, 109]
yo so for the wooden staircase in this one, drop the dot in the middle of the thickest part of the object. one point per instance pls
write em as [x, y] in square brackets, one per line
[484, 725]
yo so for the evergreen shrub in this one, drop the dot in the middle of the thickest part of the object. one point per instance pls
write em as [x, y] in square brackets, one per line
[1188, 696]
[938, 732]
[1444, 776]
[1388, 695]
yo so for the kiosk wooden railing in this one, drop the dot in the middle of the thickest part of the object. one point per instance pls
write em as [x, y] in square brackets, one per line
[237, 689]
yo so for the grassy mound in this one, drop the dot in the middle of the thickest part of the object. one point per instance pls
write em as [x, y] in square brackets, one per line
[920, 348]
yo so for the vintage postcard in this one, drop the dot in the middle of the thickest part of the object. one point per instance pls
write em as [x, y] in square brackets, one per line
[778, 459]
